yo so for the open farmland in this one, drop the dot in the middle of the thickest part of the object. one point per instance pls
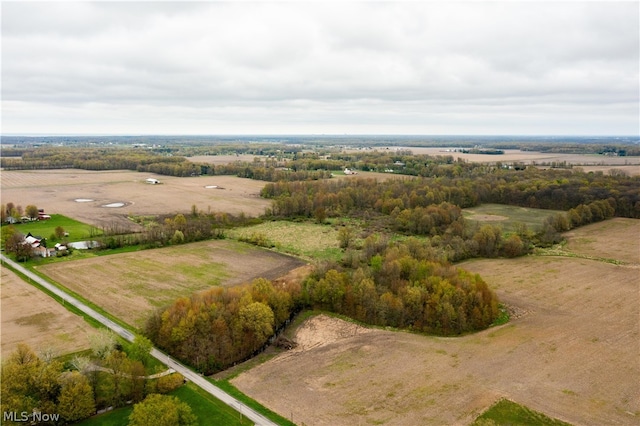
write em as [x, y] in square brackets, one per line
[130, 285]
[570, 351]
[32, 317]
[103, 197]
[616, 238]
[526, 157]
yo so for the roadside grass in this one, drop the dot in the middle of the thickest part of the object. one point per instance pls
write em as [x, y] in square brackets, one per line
[78, 231]
[208, 410]
[117, 417]
[505, 412]
[304, 239]
[533, 218]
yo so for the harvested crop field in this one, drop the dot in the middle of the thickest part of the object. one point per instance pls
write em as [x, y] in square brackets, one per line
[570, 352]
[526, 157]
[617, 238]
[131, 285]
[30, 316]
[102, 197]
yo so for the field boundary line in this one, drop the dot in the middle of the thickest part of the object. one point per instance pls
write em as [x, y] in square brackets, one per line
[565, 253]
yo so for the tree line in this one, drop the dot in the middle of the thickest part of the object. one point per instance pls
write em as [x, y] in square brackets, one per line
[545, 189]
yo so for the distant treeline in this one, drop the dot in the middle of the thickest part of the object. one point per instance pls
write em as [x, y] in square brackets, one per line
[149, 161]
[545, 189]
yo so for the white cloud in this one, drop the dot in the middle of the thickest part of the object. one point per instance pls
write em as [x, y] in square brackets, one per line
[494, 67]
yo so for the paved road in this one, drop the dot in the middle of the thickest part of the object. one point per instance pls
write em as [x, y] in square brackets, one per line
[243, 409]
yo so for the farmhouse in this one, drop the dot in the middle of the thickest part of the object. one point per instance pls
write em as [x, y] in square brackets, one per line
[349, 172]
[152, 181]
[33, 240]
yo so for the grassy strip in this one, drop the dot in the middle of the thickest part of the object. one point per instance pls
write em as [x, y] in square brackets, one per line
[207, 409]
[117, 417]
[505, 412]
[233, 391]
[559, 251]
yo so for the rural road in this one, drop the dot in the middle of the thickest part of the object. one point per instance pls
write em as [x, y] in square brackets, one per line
[209, 387]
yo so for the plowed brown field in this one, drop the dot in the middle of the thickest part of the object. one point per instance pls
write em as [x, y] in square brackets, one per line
[30, 316]
[571, 353]
[56, 191]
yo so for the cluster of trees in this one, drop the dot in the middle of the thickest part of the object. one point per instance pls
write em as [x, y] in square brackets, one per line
[17, 212]
[399, 285]
[216, 328]
[589, 213]
[110, 377]
[167, 230]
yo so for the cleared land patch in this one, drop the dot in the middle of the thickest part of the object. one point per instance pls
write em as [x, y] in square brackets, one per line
[30, 316]
[57, 191]
[507, 216]
[573, 355]
[131, 285]
[302, 239]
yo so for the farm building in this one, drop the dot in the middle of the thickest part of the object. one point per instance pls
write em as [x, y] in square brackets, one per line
[42, 215]
[33, 240]
[152, 181]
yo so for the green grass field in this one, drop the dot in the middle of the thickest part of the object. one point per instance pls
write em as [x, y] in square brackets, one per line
[78, 231]
[304, 239]
[209, 410]
[507, 216]
[505, 412]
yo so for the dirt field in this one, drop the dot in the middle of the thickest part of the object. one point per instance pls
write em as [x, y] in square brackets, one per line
[570, 351]
[32, 317]
[81, 194]
[527, 157]
[131, 285]
[617, 238]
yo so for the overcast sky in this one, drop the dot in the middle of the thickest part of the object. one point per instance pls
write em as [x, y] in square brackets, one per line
[519, 68]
